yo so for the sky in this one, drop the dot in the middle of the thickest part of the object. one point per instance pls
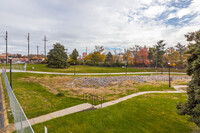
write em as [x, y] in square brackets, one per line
[115, 24]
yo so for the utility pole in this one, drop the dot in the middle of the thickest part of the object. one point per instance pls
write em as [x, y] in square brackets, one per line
[45, 40]
[6, 38]
[37, 51]
[28, 38]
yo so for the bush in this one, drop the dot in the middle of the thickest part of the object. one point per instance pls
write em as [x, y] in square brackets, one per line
[60, 94]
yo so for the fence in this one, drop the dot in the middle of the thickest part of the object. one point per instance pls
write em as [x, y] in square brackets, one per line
[21, 122]
[93, 99]
[20, 67]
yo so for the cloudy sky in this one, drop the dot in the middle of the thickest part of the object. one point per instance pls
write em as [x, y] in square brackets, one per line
[115, 24]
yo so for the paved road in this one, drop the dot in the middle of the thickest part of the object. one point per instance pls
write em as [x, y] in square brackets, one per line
[1, 111]
[129, 73]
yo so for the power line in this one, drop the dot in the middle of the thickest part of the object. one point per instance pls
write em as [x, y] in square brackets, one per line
[45, 40]
[6, 38]
[37, 51]
[28, 38]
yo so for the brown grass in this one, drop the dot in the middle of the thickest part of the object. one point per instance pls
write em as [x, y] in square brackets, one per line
[66, 85]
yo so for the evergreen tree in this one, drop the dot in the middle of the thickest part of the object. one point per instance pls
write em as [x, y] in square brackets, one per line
[152, 56]
[57, 57]
[192, 106]
[74, 56]
[109, 58]
[160, 51]
[180, 48]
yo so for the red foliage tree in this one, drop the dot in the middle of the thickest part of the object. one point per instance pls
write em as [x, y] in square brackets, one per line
[142, 56]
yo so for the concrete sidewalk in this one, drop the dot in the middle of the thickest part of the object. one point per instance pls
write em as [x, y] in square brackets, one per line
[86, 106]
[128, 73]
[60, 113]
[178, 90]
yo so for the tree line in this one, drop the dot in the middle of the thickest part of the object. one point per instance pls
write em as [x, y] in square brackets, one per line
[140, 56]
[137, 56]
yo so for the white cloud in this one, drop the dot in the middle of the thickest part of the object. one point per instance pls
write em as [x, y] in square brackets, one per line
[171, 15]
[154, 11]
[77, 24]
[183, 12]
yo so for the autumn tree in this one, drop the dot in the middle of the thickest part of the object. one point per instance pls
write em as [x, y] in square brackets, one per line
[142, 56]
[134, 50]
[171, 55]
[99, 49]
[97, 56]
[57, 57]
[192, 106]
[128, 56]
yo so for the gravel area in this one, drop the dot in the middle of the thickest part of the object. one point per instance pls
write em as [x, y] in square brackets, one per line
[107, 81]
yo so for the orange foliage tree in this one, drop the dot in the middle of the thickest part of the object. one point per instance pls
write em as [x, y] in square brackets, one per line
[142, 56]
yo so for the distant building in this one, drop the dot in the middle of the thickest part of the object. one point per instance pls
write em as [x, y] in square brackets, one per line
[37, 58]
[84, 54]
[17, 58]
[3, 57]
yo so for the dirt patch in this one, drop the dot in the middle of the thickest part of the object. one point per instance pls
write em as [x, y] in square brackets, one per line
[53, 84]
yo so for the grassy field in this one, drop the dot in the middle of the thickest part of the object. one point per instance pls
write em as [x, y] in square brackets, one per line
[94, 69]
[35, 99]
[37, 93]
[151, 113]
[14, 66]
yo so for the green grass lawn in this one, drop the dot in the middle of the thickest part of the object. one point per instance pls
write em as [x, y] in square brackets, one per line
[36, 100]
[151, 87]
[150, 113]
[94, 69]
[14, 66]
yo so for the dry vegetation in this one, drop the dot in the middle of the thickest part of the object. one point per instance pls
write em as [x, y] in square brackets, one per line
[68, 86]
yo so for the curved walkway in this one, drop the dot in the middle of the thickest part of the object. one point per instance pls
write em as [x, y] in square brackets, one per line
[128, 73]
[86, 106]
[178, 90]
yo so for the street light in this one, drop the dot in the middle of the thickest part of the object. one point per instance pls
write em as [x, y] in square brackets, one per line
[10, 58]
[74, 68]
[169, 73]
